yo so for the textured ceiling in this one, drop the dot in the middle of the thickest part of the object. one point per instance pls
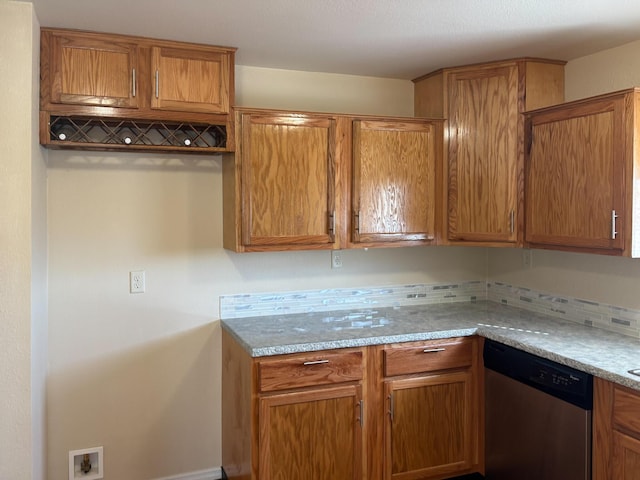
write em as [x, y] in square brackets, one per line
[385, 38]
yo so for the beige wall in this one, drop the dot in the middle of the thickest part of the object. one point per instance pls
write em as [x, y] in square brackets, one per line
[600, 278]
[22, 250]
[606, 71]
[140, 374]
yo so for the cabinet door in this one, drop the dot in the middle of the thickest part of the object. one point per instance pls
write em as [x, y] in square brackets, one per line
[394, 181]
[484, 161]
[190, 80]
[575, 180]
[287, 180]
[91, 69]
[311, 435]
[626, 457]
[429, 426]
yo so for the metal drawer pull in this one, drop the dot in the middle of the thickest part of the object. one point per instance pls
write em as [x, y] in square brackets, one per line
[614, 232]
[316, 362]
[433, 350]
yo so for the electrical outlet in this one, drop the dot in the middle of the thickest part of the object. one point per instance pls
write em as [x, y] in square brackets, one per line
[136, 282]
[336, 259]
[527, 258]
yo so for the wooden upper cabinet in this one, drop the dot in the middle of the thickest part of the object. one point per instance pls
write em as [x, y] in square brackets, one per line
[283, 182]
[322, 181]
[580, 175]
[190, 80]
[484, 188]
[92, 70]
[483, 154]
[394, 180]
[87, 69]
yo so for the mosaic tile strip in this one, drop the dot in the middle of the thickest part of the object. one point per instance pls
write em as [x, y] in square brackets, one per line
[307, 301]
[586, 312]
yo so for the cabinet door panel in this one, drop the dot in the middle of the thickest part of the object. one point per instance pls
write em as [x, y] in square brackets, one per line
[90, 70]
[394, 179]
[626, 457]
[288, 178]
[429, 427]
[311, 435]
[574, 178]
[483, 154]
[190, 80]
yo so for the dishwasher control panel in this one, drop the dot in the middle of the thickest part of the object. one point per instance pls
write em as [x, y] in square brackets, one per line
[561, 381]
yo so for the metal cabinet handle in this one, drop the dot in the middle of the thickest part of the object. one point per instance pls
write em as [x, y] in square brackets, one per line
[157, 83]
[614, 216]
[433, 350]
[133, 82]
[316, 362]
[332, 222]
[512, 222]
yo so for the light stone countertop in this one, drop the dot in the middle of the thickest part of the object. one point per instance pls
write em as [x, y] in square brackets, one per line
[602, 353]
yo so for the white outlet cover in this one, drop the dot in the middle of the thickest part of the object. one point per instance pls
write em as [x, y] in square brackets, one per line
[96, 456]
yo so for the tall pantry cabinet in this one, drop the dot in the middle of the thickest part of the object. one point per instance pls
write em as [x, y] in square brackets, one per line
[484, 182]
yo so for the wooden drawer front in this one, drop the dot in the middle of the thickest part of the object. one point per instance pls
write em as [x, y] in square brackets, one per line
[626, 410]
[427, 357]
[319, 368]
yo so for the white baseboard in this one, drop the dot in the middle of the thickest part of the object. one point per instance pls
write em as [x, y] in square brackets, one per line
[211, 474]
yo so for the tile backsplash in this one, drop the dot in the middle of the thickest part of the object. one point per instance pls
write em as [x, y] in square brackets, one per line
[305, 301]
[584, 311]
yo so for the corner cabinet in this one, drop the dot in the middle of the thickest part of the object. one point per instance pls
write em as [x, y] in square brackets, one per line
[616, 432]
[581, 175]
[400, 411]
[109, 92]
[483, 103]
[302, 180]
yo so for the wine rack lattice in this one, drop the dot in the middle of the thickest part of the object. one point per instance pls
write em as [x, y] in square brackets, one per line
[153, 133]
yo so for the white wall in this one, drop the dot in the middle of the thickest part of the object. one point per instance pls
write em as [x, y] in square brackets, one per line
[608, 280]
[140, 374]
[23, 316]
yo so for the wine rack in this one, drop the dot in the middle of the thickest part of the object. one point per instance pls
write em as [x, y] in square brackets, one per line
[122, 134]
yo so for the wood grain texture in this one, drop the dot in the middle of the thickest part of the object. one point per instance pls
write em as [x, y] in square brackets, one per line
[315, 369]
[428, 98]
[190, 80]
[394, 180]
[239, 446]
[287, 179]
[429, 433]
[483, 154]
[403, 359]
[544, 84]
[90, 74]
[626, 457]
[575, 175]
[602, 456]
[92, 71]
[311, 435]
[626, 410]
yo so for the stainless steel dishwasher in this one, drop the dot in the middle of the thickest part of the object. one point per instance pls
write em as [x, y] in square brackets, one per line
[538, 417]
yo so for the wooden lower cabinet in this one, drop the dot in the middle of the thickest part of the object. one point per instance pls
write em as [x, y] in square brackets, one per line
[616, 432]
[314, 434]
[428, 431]
[353, 413]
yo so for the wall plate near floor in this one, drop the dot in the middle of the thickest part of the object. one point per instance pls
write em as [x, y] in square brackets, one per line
[87, 464]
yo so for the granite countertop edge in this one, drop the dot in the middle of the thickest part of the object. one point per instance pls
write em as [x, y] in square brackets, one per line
[604, 354]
